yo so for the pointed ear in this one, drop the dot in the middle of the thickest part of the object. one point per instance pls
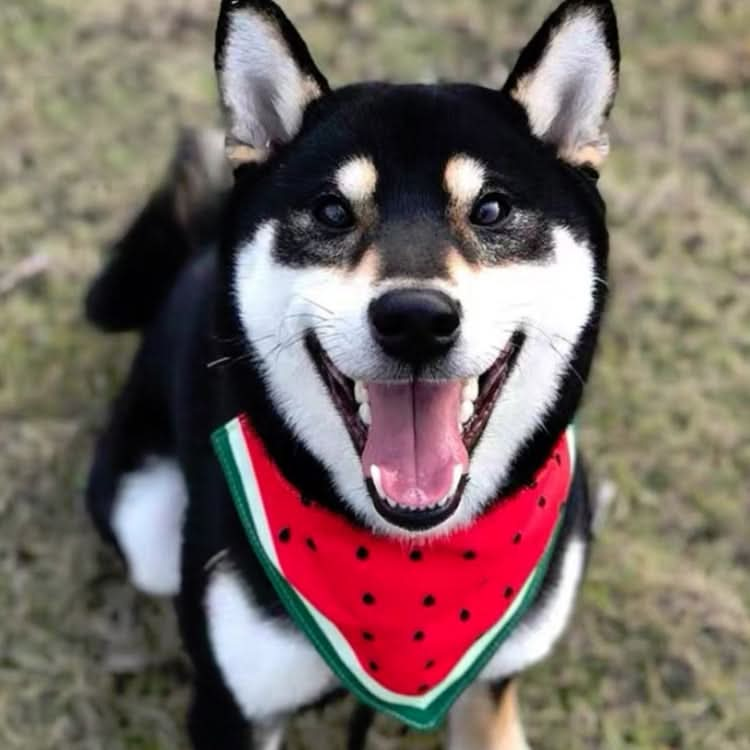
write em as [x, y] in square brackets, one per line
[266, 75]
[566, 79]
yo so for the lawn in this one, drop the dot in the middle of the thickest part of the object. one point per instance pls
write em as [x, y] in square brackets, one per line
[92, 96]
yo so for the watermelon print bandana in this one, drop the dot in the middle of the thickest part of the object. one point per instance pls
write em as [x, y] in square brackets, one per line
[404, 626]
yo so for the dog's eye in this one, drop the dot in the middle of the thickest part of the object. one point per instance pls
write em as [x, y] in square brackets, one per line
[333, 212]
[490, 210]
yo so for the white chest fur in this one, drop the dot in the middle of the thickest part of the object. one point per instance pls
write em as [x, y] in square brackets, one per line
[537, 634]
[269, 667]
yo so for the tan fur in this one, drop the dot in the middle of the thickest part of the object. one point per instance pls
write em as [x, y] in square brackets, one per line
[478, 723]
[368, 265]
[593, 154]
[463, 179]
[239, 154]
[458, 267]
[357, 180]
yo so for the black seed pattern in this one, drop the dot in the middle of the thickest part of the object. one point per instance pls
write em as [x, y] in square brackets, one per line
[508, 592]
[373, 666]
[465, 615]
[362, 553]
[419, 635]
[368, 599]
[285, 535]
[429, 664]
[517, 538]
[558, 459]
[310, 542]
[415, 555]
[470, 555]
[368, 636]
[429, 600]
[423, 688]
[542, 501]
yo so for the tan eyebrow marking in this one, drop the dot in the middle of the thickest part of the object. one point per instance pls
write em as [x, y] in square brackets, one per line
[463, 179]
[357, 179]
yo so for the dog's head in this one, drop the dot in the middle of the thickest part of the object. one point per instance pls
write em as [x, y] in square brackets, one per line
[417, 271]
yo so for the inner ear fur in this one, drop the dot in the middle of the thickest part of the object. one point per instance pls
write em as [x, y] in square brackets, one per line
[566, 80]
[267, 78]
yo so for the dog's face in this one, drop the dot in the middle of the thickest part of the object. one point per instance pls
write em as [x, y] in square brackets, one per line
[419, 271]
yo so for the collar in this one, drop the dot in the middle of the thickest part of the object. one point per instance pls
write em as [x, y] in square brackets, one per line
[406, 627]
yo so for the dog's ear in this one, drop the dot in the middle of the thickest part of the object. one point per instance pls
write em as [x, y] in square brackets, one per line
[566, 79]
[266, 75]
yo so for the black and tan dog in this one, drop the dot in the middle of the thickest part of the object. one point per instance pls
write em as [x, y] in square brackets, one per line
[402, 290]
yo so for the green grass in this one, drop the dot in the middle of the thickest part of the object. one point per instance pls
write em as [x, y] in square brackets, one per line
[91, 97]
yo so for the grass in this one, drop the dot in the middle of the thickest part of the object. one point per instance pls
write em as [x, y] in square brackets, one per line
[659, 654]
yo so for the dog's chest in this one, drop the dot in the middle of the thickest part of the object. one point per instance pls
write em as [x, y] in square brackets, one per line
[269, 667]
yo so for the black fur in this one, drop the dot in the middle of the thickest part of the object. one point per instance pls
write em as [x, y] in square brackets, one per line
[176, 290]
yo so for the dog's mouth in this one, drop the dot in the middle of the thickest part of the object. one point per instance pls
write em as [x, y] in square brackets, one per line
[415, 436]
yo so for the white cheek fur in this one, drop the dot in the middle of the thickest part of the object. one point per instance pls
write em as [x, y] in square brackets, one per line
[551, 301]
[277, 304]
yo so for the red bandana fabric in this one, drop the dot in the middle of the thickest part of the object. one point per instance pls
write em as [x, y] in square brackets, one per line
[406, 626]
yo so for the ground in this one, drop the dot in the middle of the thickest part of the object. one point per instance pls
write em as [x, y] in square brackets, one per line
[91, 98]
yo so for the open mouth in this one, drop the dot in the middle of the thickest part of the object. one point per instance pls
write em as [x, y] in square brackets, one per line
[415, 437]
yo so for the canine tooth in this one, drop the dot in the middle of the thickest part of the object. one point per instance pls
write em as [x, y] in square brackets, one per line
[378, 481]
[467, 410]
[365, 414]
[360, 392]
[458, 471]
[471, 389]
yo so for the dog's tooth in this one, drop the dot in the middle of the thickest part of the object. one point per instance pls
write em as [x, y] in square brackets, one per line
[365, 414]
[377, 481]
[471, 389]
[467, 411]
[458, 471]
[360, 392]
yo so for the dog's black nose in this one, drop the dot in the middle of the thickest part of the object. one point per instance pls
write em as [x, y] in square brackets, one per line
[415, 325]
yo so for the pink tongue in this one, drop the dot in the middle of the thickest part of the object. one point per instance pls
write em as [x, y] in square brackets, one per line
[415, 440]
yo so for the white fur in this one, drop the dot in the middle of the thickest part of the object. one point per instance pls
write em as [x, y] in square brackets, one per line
[262, 87]
[552, 301]
[357, 179]
[568, 94]
[464, 178]
[147, 520]
[270, 668]
[533, 640]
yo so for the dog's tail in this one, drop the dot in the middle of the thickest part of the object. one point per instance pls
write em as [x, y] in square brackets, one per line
[180, 219]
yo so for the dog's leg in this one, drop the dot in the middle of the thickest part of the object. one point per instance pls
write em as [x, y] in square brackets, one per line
[214, 721]
[359, 727]
[485, 718]
[136, 493]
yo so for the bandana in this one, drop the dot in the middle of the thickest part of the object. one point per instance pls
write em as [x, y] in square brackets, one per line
[404, 626]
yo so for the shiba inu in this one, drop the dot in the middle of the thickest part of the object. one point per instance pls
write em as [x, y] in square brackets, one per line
[386, 320]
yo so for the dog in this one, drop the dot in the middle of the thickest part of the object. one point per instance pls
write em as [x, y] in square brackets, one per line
[387, 315]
